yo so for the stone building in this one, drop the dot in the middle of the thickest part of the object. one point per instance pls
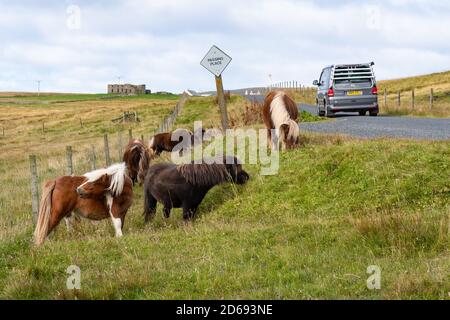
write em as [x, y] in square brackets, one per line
[127, 89]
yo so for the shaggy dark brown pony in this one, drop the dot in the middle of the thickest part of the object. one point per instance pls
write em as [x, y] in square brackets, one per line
[100, 194]
[280, 113]
[137, 159]
[185, 186]
[167, 141]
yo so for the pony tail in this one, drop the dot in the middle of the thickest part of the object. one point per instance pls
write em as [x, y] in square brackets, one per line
[45, 207]
[151, 143]
[152, 154]
[294, 131]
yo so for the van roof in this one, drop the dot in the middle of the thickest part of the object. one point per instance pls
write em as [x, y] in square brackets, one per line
[353, 71]
[367, 64]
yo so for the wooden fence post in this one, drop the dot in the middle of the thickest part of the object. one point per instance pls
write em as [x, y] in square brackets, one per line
[34, 188]
[107, 157]
[399, 99]
[3, 131]
[93, 158]
[413, 98]
[43, 126]
[431, 98]
[81, 123]
[69, 160]
[130, 133]
[385, 98]
[120, 145]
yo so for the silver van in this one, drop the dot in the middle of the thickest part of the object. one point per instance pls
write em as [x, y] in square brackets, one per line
[347, 88]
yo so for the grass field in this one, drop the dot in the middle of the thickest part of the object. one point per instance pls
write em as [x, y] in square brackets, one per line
[337, 206]
[439, 82]
[62, 127]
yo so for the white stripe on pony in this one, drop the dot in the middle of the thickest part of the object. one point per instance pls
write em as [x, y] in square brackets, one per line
[280, 116]
[278, 111]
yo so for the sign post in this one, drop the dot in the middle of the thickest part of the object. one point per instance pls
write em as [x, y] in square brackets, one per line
[215, 62]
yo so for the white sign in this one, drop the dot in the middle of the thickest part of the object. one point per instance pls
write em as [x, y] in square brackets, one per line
[216, 61]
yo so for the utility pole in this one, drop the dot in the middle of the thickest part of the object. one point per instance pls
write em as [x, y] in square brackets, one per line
[39, 87]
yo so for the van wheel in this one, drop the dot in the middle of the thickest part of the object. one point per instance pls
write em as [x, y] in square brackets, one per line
[362, 113]
[328, 113]
[319, 112]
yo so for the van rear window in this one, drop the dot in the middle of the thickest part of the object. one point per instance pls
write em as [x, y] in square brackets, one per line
[352, 83]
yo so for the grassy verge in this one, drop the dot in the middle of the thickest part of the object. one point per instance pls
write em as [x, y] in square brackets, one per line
[336, 207]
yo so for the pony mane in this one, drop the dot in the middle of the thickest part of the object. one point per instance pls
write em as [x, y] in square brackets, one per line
[137, 158]
[278, 110]
[117, 174]
[210, 172]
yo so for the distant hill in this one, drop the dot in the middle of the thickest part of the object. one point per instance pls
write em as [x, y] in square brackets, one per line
[422, 85]
[438, 81]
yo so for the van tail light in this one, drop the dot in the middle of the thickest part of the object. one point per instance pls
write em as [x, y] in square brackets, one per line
[375, 90]
[331, 92]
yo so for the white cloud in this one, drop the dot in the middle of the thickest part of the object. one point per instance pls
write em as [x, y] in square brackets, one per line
[160, 43]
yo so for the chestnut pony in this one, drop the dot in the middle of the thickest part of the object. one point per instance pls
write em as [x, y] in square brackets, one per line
[100, 194]
[182, 138]
[137, 160]
[280, 114]
[185, 186]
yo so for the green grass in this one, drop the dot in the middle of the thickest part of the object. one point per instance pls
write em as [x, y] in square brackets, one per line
[337, 206]
[439, 82]
[418, 82]
[61, 98]
[308, 117]
[197, 108]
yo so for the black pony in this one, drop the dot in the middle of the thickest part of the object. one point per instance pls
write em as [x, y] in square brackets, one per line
[185, 186]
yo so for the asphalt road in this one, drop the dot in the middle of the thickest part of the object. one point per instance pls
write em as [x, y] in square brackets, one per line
[382, 126]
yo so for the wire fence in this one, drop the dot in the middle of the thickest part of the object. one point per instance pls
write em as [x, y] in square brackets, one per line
[84, 158]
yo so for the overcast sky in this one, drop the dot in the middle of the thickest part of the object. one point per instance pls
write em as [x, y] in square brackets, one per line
[80, 46]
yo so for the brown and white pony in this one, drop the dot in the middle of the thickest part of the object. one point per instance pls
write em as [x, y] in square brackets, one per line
[280, 115]
[137, 160]
[100, 194]
[183, 139]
